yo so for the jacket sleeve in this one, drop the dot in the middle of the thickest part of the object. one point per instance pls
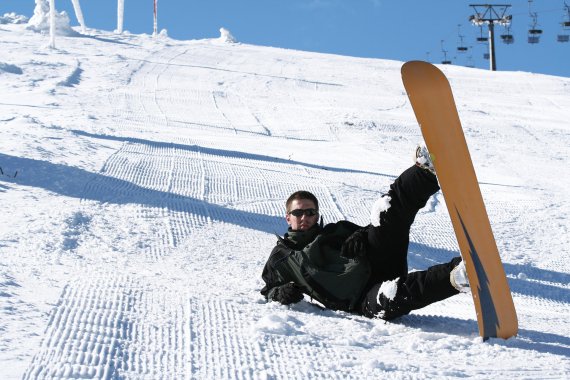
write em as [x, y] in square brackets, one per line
[271, 276]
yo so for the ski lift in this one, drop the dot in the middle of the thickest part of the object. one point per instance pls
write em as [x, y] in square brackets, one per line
[507, 37]
[564, 37]
[461, 48]
[470, 62]
[534, 36]
[566, 21]
[482, 38]
[533, 33]
[445, 60]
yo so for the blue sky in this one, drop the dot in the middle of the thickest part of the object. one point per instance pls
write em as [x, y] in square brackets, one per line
[401, 30]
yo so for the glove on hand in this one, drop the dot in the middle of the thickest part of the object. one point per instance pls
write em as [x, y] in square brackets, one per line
[288, 294]
[355, 245]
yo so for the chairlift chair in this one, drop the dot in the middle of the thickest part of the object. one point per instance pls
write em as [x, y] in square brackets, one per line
[533, 39]
[533, 33]
[566, 18]
[534, 36]
[445, 60]
[508, 38]
[461, 48]
[563, 37]
[482, 38]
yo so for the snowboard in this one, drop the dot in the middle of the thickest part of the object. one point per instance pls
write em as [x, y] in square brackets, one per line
[433, 104]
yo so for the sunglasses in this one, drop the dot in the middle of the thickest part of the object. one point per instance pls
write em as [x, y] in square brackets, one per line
[307, 212]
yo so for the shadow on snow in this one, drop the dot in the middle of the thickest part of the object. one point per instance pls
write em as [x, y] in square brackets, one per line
[78, 183]
[223, 153]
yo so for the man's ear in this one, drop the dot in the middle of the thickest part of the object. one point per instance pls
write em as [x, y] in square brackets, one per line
[288, 219]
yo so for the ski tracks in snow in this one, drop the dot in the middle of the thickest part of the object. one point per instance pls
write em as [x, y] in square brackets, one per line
[147, 319]
[114, 327]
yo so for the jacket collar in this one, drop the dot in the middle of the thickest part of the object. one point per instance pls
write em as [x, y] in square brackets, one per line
[299, 239]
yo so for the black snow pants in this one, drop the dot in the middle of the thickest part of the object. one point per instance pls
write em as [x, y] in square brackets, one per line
[388, 253]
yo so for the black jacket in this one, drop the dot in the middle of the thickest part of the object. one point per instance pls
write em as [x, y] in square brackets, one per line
[312, 260]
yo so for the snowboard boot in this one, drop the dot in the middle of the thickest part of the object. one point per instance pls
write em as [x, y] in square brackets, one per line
[458, 278]
[423, 158]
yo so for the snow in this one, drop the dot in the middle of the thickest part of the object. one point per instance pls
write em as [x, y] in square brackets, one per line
[13, 18]
[381, 204]
[388, 289]
[143, 180]
[40, 21]
[226, 36]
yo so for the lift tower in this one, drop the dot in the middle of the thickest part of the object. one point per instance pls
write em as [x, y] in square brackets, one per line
[491, 14]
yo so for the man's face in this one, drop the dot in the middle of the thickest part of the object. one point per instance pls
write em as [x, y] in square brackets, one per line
[303, 222]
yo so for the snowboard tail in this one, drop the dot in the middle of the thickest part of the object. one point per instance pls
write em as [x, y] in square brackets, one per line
[433, 104]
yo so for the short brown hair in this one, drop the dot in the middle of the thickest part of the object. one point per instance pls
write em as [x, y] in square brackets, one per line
[301, 194]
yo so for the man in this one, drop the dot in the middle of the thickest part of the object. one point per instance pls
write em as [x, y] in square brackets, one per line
[362, 270]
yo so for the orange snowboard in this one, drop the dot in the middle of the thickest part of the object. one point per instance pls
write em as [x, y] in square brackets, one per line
[432, 101]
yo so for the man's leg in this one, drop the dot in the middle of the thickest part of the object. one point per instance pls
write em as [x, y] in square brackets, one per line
[388, 243]
[390, 300]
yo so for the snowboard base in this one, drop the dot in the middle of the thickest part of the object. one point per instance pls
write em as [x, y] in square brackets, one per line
[433, 104]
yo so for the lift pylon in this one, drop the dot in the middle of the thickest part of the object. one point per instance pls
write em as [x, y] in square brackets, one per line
[490, 15]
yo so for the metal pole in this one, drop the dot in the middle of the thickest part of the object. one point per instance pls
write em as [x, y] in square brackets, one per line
[120, 15]
[52, 27]
[155, 32]
[492, 46]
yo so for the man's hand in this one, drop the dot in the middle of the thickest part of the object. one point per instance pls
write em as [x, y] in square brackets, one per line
[355, 245]
[288, 294]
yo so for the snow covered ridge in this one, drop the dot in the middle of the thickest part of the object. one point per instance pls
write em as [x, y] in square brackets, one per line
[142, 181]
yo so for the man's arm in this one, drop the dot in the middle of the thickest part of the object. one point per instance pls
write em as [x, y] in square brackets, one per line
[276, 287]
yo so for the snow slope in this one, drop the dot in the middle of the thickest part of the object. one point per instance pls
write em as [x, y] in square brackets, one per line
[143, 180]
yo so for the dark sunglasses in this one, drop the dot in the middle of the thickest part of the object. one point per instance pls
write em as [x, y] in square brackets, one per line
[307, 212]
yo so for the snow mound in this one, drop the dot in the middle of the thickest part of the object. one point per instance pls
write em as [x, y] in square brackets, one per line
[226, 36]
[40, 22]
[13, 18]
[278, 324]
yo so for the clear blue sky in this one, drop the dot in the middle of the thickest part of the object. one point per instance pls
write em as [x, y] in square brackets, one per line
[391, 29]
